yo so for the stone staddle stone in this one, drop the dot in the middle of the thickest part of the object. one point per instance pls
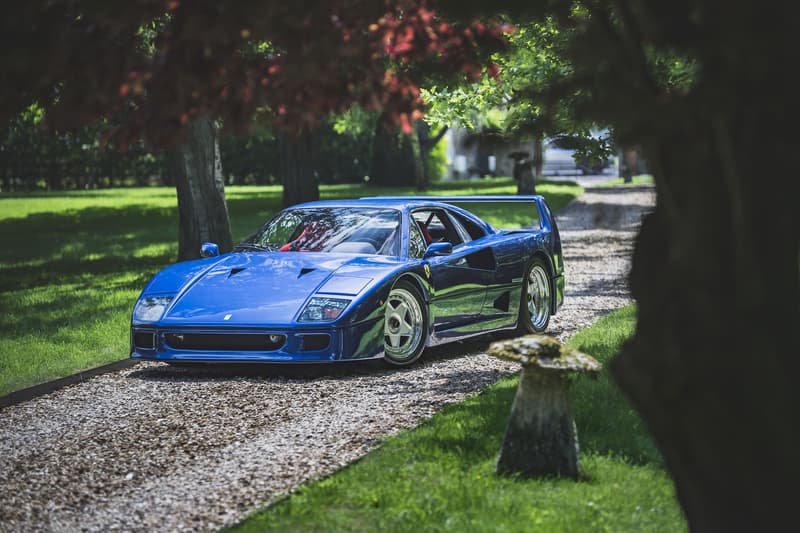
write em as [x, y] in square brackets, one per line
[541, 438]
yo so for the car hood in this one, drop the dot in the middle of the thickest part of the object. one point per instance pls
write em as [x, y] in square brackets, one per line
[257, 289]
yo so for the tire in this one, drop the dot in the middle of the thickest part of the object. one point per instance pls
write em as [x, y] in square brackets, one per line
[536, 300]
[405, 325]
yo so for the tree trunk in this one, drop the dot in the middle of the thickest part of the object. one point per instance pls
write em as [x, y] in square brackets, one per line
[482, 153]
[538, 156]
[714, 362]
[196, 169]
[297, 169]
[426, 141]
[526, 183]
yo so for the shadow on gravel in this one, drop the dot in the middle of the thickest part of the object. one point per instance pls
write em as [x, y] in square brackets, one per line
[213, 371]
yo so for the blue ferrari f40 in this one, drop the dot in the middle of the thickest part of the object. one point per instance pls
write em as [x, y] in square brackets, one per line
[356, 279]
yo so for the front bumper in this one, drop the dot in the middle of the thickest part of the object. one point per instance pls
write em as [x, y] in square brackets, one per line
[300, 345]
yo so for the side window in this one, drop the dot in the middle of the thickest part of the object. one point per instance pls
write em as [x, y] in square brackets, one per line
[416, 244]
[474, 230]
[462, 233]
[437, 226]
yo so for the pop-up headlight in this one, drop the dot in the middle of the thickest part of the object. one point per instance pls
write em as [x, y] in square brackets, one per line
[150, 309]
[319, 309]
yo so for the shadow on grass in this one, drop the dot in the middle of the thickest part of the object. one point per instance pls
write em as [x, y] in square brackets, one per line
[46, 248]
[75, 270]
[65, 312]
[606, 424]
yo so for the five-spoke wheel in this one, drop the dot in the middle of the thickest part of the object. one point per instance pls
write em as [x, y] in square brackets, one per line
[534, 311]
[404, 325]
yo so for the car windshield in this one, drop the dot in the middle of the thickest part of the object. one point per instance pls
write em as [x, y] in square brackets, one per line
[330, 229]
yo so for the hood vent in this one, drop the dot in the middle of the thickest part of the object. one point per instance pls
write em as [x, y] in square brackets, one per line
[235, 271]
[304, 271]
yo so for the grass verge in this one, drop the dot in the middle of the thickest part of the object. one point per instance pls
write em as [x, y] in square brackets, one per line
[73, 263]
[641, 179]
[440, 476]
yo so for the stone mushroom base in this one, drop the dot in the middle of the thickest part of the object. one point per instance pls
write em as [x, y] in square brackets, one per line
[541, 438]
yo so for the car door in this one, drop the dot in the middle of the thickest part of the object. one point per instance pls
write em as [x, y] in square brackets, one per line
[459, 279]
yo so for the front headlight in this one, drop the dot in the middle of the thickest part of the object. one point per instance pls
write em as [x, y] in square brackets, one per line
[150, 309]
[323, 309]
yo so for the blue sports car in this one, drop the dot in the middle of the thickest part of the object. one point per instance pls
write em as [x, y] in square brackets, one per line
[369, 278]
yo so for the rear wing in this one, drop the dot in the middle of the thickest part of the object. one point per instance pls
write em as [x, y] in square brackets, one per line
[546, 219]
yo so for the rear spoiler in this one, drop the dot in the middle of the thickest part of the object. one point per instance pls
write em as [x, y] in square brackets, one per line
[546, 221]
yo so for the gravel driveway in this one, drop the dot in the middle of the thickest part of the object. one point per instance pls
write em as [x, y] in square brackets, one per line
[159, 449]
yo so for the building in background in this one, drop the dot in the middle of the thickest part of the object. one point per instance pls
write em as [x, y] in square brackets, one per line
[489, 153]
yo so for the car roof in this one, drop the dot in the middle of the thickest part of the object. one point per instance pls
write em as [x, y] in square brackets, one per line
[377, 202]
[402, 203]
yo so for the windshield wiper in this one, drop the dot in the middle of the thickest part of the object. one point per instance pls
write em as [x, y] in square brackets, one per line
[251, 246]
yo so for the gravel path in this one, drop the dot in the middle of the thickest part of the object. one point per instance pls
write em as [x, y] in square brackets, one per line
[160, 449]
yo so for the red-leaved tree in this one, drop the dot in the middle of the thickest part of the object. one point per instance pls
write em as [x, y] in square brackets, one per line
[169, 72]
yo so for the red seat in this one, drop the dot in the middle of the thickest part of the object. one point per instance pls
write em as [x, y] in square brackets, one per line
[425, 233]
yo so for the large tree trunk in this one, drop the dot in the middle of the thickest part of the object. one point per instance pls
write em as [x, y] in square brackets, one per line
[714, 362]
[196, 169]
[297, 169]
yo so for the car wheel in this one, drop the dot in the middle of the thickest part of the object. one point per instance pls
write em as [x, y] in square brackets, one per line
[534, 309]
[405, 325]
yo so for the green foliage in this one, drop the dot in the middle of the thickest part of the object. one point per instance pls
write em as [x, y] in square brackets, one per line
[463, 106]
[440, 476]
[73, 263]
[355, 121]
[251, 160]
[31, 158]
[34, 159]
[343, 153]
[435, 162]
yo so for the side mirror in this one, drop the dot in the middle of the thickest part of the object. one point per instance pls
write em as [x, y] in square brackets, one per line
[438, 248]
[209, 249]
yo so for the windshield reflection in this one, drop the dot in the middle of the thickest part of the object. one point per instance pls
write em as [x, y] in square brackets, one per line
[330, 229]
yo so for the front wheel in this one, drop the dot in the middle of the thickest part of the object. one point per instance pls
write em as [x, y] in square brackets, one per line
[534, 308]
[404, 325]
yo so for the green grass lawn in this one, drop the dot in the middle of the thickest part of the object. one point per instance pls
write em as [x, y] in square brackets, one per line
[641, 179]
[73, 263]
[440, 476]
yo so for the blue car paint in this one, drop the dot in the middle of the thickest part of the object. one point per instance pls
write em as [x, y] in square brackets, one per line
[263, 293]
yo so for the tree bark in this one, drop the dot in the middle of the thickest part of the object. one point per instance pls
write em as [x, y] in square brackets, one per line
[426, 141]
[196, 169]
[538, 156]
[297, 168]
[714, 362]
[526, 183]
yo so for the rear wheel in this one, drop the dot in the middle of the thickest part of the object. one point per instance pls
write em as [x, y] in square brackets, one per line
[535, 305]
[405, 324]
